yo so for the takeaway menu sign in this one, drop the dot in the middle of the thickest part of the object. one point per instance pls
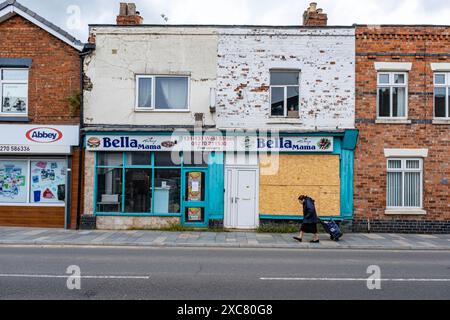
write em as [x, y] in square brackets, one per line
[209, 143]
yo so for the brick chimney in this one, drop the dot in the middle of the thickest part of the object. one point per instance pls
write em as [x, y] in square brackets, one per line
[128, 16]
[314, 16]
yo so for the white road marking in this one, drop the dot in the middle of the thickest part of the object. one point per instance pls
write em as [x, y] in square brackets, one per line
[354, 279]
[46, 276]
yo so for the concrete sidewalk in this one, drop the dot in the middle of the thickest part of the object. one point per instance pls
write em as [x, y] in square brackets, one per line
[49, 237]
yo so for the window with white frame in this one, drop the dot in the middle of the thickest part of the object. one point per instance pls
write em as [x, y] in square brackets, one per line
[14, 91]
[392, 94]
[442, 95]
[165, 93]
[404, 183]
[285, 93]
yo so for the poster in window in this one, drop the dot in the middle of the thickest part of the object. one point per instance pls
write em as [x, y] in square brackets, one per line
[13, 181]
[48, 181]
[14, 98]
[195, 186]
[194, 214]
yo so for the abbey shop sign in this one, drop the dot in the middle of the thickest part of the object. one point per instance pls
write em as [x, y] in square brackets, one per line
[208, 143]
[38, 139]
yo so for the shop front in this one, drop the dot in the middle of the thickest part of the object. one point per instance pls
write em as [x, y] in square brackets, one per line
[154, 181]
[265, 185]
[38, 175]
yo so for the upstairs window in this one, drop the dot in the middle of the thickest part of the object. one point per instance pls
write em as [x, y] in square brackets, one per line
[14, 92]
[442, 95]
[392, 95]
[285, 93]
[162, 93]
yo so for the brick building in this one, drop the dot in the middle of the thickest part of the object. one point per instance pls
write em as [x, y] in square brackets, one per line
[402, 165]
[40, 68]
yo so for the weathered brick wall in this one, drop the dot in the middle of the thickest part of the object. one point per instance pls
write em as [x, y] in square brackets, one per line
[54, 74]
[325, 57]
[421, 46]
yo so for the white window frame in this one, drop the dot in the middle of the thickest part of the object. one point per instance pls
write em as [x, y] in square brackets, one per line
[403, 170]
[391, 85]
[153, 102]
[29, 203]
[446, 85]
[285, 93]
[2, 82]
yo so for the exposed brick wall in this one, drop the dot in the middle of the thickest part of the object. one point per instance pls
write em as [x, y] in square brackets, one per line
[421, 46]
[54, 74]
[325, 57]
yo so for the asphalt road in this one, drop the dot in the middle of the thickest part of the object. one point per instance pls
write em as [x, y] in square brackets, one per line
[222, 274]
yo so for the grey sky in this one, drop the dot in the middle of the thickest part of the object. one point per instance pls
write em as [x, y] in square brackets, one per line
[279, 12]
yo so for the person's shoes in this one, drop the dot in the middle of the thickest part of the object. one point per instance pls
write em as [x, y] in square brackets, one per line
[315, 241]
[298, 239]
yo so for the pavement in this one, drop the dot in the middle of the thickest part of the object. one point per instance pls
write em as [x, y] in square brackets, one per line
[59, 237]
[155, 273]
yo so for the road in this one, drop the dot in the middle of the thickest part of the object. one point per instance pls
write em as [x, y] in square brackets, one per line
[225, 274]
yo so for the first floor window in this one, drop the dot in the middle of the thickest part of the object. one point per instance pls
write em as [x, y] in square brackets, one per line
[37, 181]
[14, 91]
[404, 183]
[162, 93]
[392, 95]
[285, 93]
[442, 95]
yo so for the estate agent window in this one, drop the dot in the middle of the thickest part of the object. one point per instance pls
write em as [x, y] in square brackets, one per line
[14, 91]
[392, 95]
[33, 181]
[285, 93]
[165, 93]
[442, 95]
[141, 182]
[404, 183]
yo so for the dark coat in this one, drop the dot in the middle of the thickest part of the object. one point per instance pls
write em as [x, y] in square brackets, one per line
[309, 211]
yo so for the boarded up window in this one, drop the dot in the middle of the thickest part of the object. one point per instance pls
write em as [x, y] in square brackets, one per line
[314, 175]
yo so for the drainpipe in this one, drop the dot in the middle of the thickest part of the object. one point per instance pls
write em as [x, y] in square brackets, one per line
[68, 192]
[88, 48]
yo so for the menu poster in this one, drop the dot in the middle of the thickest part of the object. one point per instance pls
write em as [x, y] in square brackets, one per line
[195, 186]
[195, 214]
[48, 180]
[13, 181]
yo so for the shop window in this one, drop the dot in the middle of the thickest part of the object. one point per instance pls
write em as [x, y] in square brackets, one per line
[138, 190]
[109, 189]
[13, 181]
[48, 181]
[34, 181]
[442, 95]
[14, 91]
[392, 95]
[167, 191]
[404, 183]
[167, 159]
[109, 159]
[285, 93]
[139, 158]
[162, 93]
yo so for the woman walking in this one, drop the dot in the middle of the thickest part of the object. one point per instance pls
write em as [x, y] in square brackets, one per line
[310, 219]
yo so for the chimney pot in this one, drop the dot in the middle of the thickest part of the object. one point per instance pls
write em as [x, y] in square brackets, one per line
[314, 16]
[128, 16]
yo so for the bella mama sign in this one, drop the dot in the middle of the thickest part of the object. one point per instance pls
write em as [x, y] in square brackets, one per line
[209, 143]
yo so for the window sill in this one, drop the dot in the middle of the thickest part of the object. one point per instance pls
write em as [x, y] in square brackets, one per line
[162, 111]
[14, 119]
[441, 121]
[392, 121]
[405, 211]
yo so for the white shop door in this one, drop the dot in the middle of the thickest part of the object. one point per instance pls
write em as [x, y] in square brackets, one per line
[241, 202]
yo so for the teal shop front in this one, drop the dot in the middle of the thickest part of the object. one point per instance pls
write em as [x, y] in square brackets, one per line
[155, 180]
